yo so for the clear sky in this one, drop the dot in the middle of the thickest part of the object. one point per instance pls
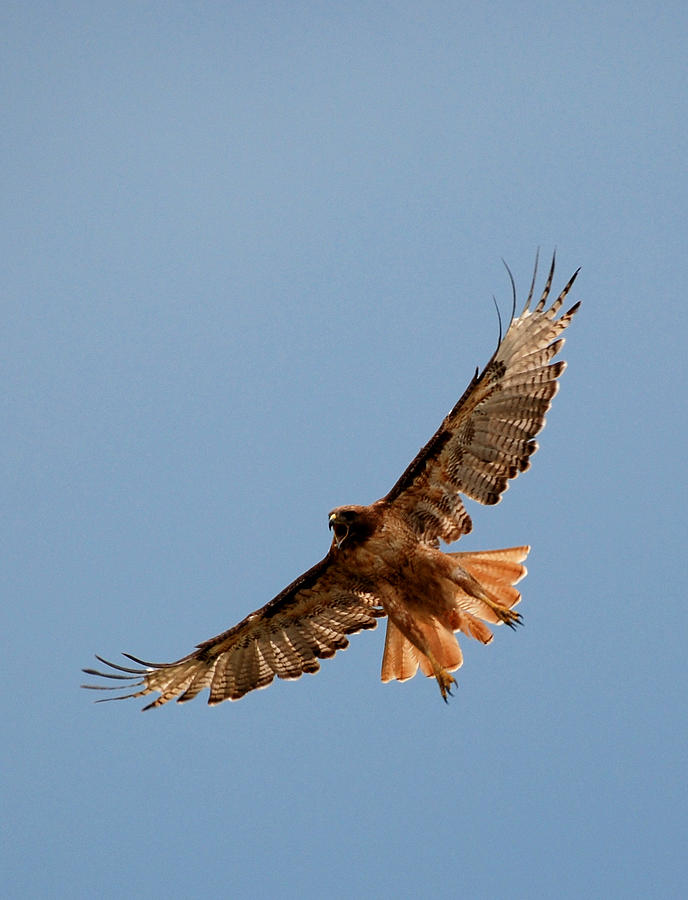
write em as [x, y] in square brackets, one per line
[249, 253]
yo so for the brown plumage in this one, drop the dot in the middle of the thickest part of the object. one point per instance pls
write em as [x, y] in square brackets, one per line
[385, 558]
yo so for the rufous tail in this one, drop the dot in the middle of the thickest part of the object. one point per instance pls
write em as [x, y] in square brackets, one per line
[485, 594]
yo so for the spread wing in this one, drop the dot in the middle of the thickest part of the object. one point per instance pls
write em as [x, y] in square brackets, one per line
[488, 437]
[306, 622]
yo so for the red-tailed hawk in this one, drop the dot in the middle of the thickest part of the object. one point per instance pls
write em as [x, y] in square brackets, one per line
[385, 559]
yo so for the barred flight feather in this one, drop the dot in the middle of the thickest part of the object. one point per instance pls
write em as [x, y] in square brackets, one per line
[506, 405]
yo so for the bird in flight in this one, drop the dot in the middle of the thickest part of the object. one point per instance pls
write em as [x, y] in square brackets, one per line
[385, 559]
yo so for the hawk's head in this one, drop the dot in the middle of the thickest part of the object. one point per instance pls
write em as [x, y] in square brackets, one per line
[352, 524]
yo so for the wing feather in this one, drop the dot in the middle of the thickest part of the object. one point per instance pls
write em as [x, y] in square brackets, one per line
[488, 437]
[306, 622]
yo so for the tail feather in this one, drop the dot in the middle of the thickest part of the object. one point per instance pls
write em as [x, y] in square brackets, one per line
[442, 644]
[471, 625]
[496, 571]
[400, 659]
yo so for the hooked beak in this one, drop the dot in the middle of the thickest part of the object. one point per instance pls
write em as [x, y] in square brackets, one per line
[332, 525]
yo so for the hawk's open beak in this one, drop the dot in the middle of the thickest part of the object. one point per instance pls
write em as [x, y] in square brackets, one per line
[340, 532]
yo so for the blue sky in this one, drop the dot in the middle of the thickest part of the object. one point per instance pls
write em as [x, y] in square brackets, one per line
[249, 255]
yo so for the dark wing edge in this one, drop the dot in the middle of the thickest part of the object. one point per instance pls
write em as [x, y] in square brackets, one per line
[488, 437]
[308, 621]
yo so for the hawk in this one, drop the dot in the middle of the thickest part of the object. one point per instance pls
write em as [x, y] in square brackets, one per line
[385, 559]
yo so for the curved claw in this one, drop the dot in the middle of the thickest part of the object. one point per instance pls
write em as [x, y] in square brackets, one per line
[446, 682]
[511, 618]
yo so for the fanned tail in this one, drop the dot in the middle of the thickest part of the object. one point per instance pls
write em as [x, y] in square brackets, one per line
[487, 596]
[488, 593]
